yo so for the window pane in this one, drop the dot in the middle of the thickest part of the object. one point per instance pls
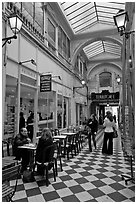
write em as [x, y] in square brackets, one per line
[51, 30]
[60, 39]
[105, 79]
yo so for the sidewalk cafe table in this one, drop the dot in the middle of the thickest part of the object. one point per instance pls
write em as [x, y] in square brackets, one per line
[31, 148]
[69, 133]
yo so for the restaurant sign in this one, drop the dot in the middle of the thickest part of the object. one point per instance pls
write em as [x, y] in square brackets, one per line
[105, 96]
[45, 83]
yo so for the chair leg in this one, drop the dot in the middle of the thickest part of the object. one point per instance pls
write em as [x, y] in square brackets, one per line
[47, 180]
[56, 169]
[60, 163]
[54, 173]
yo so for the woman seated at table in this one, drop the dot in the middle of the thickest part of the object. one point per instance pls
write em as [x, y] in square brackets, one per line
[45, 141]
[23, 154]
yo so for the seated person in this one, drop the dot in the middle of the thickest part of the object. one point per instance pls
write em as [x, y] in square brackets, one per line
[45, 141]
[23, 154]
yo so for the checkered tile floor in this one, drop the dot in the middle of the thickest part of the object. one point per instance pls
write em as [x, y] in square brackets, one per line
[88, 177]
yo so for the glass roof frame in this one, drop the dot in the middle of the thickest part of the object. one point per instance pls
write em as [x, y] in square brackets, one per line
[96, 11]
[84, 16]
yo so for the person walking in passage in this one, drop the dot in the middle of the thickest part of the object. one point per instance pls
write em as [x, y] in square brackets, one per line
[93, 124]
[108, 124]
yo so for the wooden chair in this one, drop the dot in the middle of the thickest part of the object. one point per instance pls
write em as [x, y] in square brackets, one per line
[75, 144]
[8, 174]
[48, 152]
[58, 155]
[67, 146]
[7, 148]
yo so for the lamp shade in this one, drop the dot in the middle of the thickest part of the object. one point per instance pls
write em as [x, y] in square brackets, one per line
[83, 82]
[15, 23]
[120, 20]
[118, 79]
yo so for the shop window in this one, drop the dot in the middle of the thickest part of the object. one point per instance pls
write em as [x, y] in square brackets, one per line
[10, 117]
[59, 111]
[105, 79]
[46, 108]
[65, 113]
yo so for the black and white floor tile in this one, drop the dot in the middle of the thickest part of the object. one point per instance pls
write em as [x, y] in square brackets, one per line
[88, 177]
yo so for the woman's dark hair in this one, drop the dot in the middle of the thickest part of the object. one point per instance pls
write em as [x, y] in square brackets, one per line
[109, 116]
[46, 134]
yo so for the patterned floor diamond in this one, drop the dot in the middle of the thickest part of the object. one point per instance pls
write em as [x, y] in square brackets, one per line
[87, 177]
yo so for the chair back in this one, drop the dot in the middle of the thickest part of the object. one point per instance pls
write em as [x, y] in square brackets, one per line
[57, 131]
[7, 147]
[11, 172]
[48, 154]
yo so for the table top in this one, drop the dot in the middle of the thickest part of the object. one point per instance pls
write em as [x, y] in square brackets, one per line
[68, 133]
[60, 137]
[8, 162]
[30, 146]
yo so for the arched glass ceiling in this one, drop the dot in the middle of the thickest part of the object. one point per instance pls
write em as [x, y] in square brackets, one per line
[83, 16]
[102, 47]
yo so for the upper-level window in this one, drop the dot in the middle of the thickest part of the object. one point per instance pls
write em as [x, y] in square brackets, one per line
[81, 68]
[51, 30]
[63, 43]
[105, 79]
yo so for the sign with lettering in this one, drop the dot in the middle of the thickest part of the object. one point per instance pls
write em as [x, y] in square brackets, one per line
[45, 83]
[104, 96]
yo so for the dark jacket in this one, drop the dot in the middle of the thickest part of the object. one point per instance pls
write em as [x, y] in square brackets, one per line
[93, 125]
[42, 144]
[19, 141]
[22, 122]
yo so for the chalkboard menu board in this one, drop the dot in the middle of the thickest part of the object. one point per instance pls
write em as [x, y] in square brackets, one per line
[45, 83]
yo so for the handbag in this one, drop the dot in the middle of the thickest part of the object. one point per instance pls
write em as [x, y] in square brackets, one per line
[115, 134]
[28, 176]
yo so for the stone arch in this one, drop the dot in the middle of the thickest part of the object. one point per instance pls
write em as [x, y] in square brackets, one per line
[117, 67]
[82, 45]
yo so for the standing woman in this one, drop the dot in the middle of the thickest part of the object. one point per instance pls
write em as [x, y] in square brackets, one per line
[108, 134]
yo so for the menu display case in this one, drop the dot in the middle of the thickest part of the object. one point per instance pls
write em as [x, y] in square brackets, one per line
[10, 121]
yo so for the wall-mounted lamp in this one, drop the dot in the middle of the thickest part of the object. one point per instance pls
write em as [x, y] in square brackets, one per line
[79, 87]
[31, 60]
[15, 25]
[118, 79]
[59, 77]
[130, 61]
[121, 19]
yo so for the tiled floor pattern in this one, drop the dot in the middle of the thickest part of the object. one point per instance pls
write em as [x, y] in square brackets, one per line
[88, 177]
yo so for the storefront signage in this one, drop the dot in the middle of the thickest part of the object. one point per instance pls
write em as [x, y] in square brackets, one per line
[104, 96]
[45, 83]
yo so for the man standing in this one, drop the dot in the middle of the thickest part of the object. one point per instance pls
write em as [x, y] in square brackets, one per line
[93, 124]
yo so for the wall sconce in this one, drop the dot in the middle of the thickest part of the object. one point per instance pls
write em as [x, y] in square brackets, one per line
[118, 79]
[15, 25]
[79, 87]
[121, 19]
[130, 61]
[59, 77]
[31, 60]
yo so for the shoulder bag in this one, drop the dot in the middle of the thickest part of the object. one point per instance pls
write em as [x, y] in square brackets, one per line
[115, 134]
